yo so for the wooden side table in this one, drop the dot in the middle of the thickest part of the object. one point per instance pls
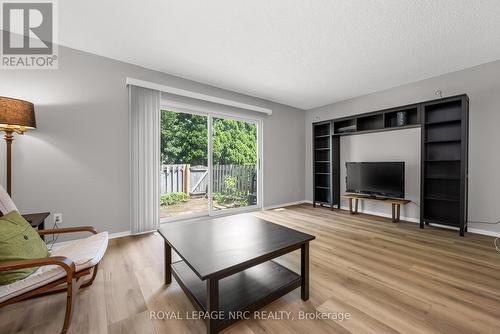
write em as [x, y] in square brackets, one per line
[395, 203]
[37, 220]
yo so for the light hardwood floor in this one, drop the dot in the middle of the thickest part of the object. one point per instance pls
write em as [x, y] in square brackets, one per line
[390, 277]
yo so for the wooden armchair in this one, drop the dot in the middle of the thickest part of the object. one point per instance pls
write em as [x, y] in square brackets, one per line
[64, 270]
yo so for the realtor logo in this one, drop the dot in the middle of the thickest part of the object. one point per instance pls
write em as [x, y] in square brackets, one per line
[28, 30]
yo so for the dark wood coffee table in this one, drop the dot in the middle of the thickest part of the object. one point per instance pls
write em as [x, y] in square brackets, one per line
[226, 264]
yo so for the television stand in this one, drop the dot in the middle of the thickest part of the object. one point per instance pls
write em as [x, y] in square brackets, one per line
[395, 203]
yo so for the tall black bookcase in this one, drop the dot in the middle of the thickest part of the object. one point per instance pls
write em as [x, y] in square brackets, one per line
[326, 173]
[444, 168]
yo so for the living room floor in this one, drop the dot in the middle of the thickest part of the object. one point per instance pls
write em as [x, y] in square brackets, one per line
[390, 277]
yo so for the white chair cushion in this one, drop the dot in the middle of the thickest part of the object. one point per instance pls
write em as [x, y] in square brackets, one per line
[6, 204]
[85, 253]
[41, 276]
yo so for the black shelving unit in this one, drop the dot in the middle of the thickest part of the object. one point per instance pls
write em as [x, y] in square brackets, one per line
[322, 180]
[335, 168]
[444, 164]
[444, 170]
[325, 191]
[377, 121]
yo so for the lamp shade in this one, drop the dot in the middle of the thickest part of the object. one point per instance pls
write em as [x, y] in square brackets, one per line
[16, 114]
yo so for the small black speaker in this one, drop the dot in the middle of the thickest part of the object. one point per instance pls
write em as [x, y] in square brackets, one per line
[401, 118]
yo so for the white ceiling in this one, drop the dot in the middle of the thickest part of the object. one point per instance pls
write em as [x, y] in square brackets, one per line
[302, 53]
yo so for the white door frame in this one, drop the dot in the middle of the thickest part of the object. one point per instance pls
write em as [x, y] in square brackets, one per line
[260, 175]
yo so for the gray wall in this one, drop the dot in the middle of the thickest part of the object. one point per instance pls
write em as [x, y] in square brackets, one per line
[77, 160]
[482, 84]
[386, 146]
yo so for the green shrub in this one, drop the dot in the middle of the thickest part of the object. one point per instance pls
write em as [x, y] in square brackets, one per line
[231, 195]
[173, 198]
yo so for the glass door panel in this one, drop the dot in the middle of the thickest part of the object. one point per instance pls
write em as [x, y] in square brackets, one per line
[234, 164]
[184, 165]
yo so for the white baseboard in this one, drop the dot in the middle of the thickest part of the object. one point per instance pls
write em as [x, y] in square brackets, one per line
[375, 213]
[276, 206]
[416, 220]
[120, 234]
[483, 232]
[110, 236]
[387, 215]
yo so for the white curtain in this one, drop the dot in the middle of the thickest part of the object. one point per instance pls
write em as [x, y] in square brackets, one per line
[144, 108]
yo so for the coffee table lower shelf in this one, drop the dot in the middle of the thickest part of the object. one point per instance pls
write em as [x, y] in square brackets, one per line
[247, 290]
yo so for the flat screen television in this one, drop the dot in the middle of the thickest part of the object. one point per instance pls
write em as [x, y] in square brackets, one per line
[384, 179]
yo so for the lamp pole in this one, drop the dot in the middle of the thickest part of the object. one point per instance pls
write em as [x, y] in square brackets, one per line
[9, 137]
[16, 116]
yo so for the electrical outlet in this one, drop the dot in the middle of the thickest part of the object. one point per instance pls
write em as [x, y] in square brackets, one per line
[58, 218]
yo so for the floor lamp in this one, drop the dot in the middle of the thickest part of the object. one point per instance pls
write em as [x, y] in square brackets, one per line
[16, 116]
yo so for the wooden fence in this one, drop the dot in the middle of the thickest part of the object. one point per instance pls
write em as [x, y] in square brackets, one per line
[172, 178]
[245, 176]
[199, 180]
[194, 179]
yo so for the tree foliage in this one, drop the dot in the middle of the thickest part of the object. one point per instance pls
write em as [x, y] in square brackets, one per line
[184, 140]
[234, 142]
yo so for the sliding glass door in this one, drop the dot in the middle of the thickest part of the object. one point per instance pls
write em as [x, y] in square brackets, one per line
[234, 164]
[209, 165]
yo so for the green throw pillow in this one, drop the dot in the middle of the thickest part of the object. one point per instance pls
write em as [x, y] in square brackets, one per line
[19, 241]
